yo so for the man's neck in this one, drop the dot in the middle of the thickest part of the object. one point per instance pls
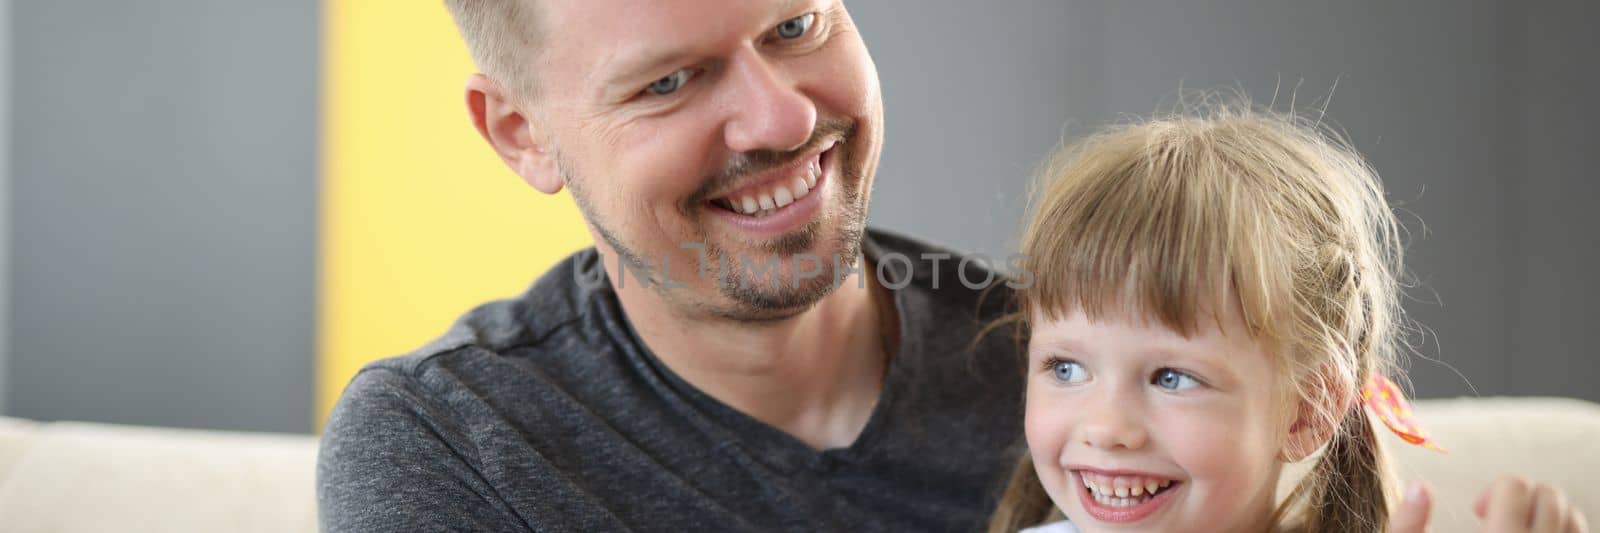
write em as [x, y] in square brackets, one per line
[816, 376]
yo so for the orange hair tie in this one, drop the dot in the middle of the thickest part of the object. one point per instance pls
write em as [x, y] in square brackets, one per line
[1384, 398]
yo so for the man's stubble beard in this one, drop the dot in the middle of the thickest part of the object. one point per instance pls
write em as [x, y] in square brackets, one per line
[743, 298]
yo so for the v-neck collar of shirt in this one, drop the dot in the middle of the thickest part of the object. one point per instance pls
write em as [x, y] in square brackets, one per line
[770, 445]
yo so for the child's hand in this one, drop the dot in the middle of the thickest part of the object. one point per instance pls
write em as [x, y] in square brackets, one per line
[1510, 505]
[1412, 516]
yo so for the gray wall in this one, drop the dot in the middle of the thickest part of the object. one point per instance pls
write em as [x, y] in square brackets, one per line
[1478, 115]
[5, 192]
[163, 172]
[1554, 256]
[164, 198]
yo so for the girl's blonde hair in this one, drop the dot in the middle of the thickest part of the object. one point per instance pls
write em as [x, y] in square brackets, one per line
[1226, 205]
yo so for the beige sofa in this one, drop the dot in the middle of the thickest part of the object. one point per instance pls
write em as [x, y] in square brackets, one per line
[68, 477]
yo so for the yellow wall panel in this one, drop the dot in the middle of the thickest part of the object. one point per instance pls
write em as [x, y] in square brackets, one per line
[419, 220]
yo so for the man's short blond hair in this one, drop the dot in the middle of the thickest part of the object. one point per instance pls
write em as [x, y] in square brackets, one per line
[500, 35]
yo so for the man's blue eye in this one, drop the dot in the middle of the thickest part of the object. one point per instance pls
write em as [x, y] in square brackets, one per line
[795, 27]
[1174, 380]
[1069, 372]
[669, 84]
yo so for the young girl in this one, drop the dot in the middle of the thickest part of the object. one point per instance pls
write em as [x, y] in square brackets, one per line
[1211, 295]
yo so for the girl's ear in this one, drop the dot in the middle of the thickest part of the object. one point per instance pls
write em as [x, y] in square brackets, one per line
[1317, 418]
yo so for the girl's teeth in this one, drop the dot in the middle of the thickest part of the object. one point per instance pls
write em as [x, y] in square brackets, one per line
[1122, 491]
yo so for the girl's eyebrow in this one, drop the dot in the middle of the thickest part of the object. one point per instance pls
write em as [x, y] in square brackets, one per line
[1059, 345]
[1209, 362]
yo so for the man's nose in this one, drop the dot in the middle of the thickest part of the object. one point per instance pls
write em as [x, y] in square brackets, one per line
[767, 110]
[1115, 422]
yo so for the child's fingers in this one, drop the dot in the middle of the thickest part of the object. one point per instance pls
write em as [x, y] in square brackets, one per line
[1412, 516]
[1576, 523]
[1510, 505]
[1549, 510]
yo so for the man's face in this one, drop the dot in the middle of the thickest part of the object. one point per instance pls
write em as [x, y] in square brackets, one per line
[673, 121]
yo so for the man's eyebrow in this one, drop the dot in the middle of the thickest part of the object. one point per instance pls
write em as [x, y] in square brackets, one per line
[634, 68]
[631, 69]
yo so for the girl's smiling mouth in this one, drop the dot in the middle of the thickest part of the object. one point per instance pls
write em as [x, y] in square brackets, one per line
[1122, 496]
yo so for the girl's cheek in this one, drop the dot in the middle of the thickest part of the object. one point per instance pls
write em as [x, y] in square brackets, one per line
[1047, 426]
[1047, 423]
[1204, 445]
[1226, 449]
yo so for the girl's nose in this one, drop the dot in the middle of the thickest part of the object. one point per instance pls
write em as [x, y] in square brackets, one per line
[1113, 425]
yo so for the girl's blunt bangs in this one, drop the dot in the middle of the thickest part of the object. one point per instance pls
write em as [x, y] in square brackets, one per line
[1150, 221]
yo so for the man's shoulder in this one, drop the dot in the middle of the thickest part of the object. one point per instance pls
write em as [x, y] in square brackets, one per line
[952, 279]
[547, 319]
[887, 241]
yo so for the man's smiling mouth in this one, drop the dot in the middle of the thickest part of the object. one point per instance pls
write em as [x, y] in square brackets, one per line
[763, 199]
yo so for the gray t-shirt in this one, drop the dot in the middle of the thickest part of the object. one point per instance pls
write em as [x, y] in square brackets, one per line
[547, 413]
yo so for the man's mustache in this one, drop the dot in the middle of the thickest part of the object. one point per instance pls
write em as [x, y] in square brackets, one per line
[745, 164]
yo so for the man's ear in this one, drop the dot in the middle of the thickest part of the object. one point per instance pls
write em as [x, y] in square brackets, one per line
[509, 131]
[1311, 426]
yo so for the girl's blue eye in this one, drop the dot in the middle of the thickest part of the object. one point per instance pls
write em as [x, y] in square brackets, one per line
[795, 27]
[1173, 380]
[1069, 372]
[669, 84]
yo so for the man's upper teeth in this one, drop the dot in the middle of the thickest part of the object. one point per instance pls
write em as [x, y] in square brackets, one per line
[782, 196]
[777, 194]
[1123, 486]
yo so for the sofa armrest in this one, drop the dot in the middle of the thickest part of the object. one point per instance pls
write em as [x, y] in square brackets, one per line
[1550, 440]
[71, 477]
